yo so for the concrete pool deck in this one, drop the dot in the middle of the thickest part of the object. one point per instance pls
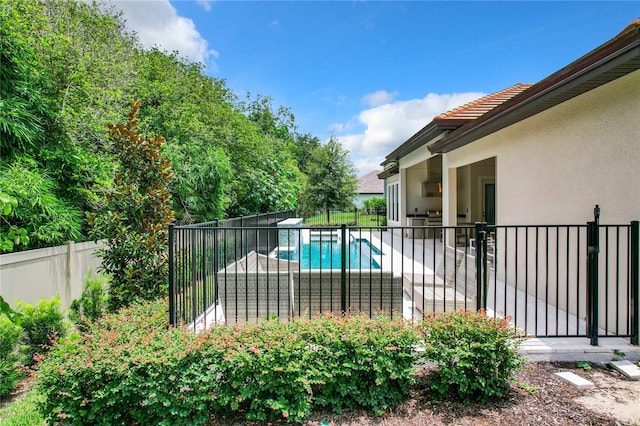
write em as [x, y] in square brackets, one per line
[535, 348]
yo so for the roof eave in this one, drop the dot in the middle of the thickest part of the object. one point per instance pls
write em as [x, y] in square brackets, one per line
[390, 171]
[428, 133]
[539, 98]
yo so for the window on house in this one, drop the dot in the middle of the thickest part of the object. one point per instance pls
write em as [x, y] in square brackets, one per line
[392, 202]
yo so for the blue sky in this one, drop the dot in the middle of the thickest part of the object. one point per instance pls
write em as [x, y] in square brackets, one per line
[372, 73]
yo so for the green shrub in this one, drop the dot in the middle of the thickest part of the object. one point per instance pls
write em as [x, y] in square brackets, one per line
[41, 324]
[360, 362]
[476, 355]
[131, 369]
[10, 334]
[264, 371]
[10, 373]
[92, 304]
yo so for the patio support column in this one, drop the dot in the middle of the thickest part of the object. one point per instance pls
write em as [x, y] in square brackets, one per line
[449, 198]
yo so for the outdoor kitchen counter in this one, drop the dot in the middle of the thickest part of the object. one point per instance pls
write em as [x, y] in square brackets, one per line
[418, 219]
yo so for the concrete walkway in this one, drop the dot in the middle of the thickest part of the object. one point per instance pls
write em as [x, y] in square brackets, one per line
[579, 349]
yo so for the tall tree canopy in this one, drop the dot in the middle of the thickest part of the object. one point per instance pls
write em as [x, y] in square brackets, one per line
[332, 181]
[68, 68]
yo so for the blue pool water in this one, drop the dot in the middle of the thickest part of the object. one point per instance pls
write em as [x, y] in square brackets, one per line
[326, 255]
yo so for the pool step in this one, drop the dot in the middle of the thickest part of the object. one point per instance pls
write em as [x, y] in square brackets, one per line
[324, 235]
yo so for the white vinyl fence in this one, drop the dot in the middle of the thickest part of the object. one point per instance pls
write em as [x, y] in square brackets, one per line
[30, 276]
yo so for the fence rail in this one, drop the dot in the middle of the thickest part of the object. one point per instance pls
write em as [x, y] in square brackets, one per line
[355, 217]
[551, 280]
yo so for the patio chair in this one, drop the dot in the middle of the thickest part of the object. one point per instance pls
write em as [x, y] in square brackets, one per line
[445, 271]
[491, 247]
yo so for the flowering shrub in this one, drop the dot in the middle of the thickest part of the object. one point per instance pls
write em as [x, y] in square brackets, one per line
[263, 371]
[129, 368]
[275, 370]
[476, 355]
[360, 362]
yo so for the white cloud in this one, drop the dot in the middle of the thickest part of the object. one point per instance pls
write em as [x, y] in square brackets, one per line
[157, 23]
[368, 164]
[378, 98]
[207, 5]
[388, 126]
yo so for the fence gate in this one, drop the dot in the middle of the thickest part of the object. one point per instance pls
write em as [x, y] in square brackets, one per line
[561, 280]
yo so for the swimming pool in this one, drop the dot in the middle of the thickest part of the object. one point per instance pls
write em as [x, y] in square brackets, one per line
[327, 255]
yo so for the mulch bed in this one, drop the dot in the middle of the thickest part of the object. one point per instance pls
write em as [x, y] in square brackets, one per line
[552, 405]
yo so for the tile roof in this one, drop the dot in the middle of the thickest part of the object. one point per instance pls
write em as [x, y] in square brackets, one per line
[370, 184]
[480, 106]
[455, 118]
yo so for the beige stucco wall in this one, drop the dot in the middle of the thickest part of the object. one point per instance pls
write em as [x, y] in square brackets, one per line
[554, 167]
[44, 273]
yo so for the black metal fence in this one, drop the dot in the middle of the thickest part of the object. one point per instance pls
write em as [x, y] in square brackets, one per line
[194, 253]
[351, 217]
[552, 280]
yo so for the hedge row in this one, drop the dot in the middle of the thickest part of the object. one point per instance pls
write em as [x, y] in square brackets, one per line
[130, 369]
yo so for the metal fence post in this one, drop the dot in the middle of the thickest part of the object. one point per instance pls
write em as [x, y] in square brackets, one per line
[634, 258]
[172, 290]
[194, 273]
[216, 261]
[593, 249]
[343, 268]
[481, 264]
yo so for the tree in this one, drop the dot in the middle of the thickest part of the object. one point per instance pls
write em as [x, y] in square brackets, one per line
[67, 69]
[303, 148]
[266, 176]
[202, 173]
[192, 111]
[332, 181]
[60, 70]
[135, 217]
[38, 217]
[21, 104]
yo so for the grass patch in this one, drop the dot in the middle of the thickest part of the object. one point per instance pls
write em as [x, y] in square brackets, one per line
[338, 218]
[22, 412]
